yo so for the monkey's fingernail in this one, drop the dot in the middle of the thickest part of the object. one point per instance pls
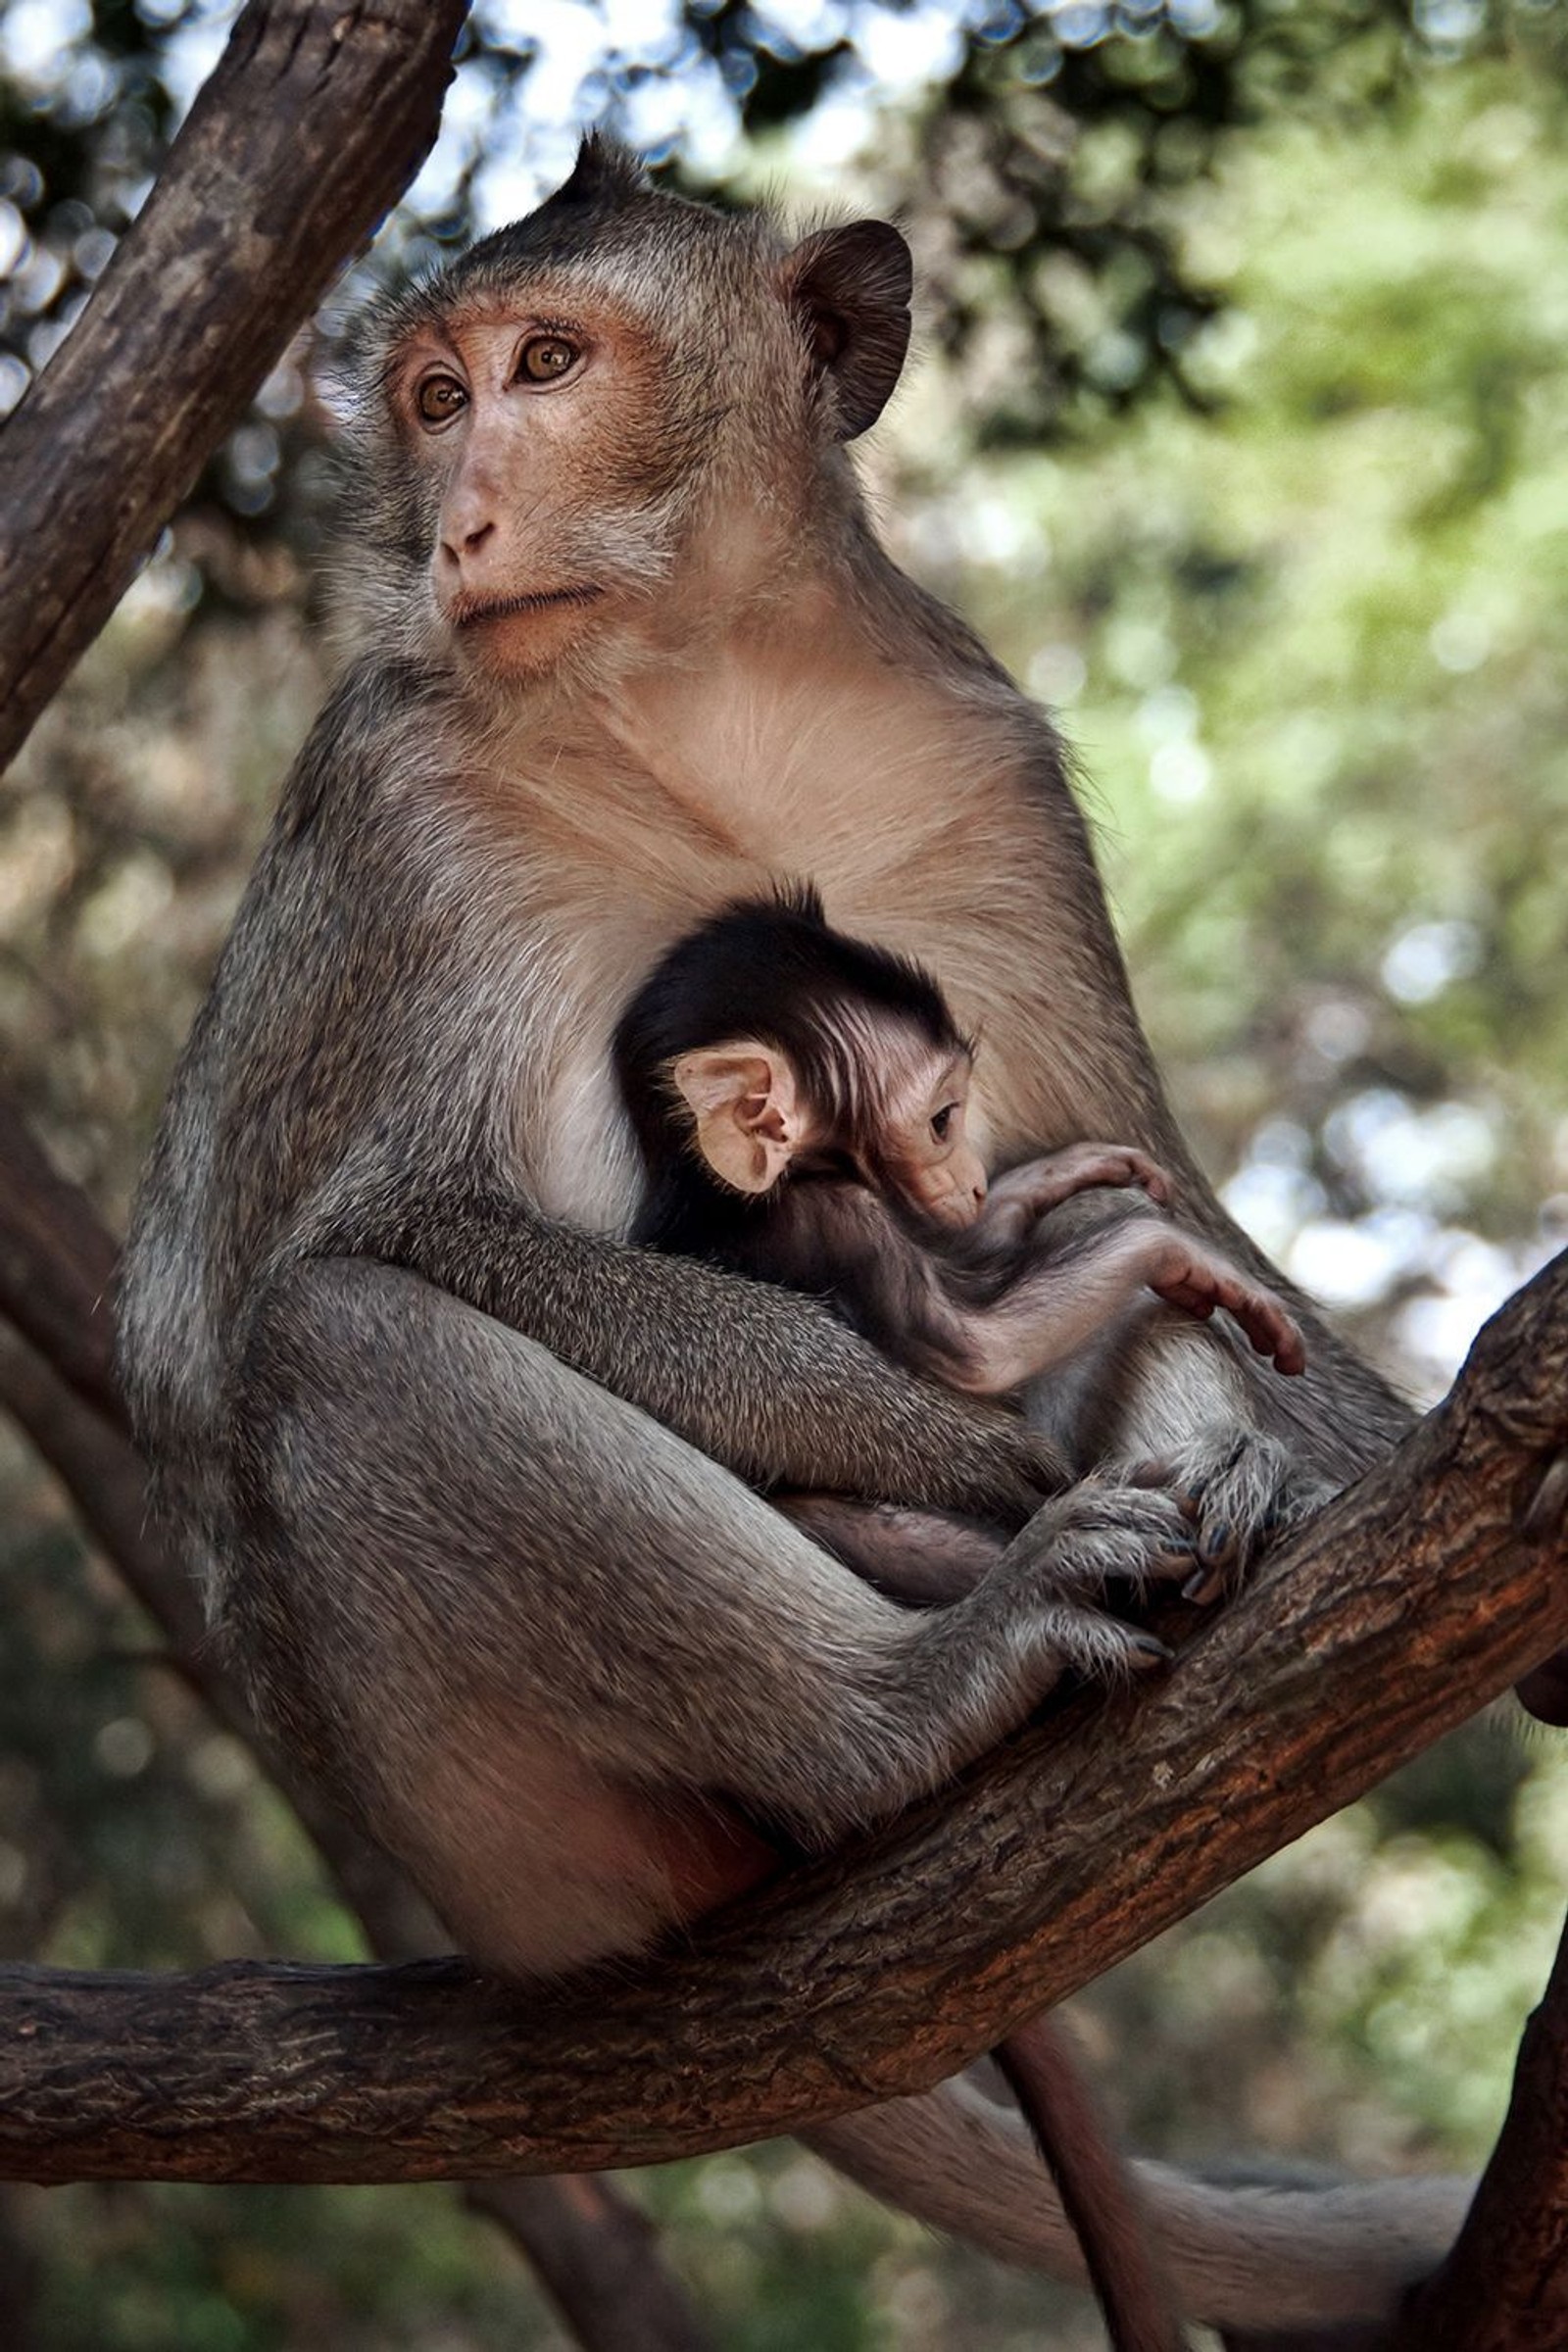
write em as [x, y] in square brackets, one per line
[1217, 1543]
[1150, 1648]
[1205, 1586]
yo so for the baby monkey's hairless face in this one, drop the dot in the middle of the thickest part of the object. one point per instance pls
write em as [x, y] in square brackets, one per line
[879, 1100]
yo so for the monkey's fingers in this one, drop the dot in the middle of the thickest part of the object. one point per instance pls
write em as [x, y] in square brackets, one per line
[1199, 1282]
[1242, 1490]
[1098, 1535]
[1100, 1648]
[1272, 1331]
[1085, 1167]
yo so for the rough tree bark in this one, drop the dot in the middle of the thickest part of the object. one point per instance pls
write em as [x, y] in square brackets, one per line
[313, 124]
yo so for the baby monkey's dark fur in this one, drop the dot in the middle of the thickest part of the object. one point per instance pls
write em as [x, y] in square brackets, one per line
[971, 1298]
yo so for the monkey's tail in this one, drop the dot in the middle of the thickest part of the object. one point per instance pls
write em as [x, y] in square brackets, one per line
[1239, 2256]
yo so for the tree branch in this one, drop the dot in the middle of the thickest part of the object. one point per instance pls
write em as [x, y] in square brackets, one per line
[316, 120]
[57, 1268]
[879, 1972]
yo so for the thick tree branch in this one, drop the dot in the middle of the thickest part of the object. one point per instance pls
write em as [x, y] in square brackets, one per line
[313, 123]
[1409, 1603]
[57, 1268]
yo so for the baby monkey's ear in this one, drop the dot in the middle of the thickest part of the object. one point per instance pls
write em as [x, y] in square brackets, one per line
[747, 1108]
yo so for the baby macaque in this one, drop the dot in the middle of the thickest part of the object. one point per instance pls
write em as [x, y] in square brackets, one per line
[801, 1103]
[800, 1099]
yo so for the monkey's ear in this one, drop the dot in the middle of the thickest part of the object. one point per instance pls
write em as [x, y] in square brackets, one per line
[747, 1111]
[850, 288]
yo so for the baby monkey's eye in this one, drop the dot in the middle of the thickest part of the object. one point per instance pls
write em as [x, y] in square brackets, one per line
[439, 398]
[545, 358]
[941, 1124]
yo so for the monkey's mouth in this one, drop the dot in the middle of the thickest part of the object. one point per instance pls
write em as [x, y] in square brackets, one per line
[469, 612]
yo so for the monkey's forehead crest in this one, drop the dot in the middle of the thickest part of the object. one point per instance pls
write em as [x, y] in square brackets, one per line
[606, 223]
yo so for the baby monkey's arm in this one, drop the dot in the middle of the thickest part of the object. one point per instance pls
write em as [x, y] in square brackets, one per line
[1027, 1192]
[1059, 1297]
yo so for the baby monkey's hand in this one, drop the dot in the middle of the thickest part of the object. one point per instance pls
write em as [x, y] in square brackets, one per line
[1197, 1278]
[1027, 1192]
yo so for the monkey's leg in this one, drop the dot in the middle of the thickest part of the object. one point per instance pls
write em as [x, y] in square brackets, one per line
[527, 1624]
[921, 1557]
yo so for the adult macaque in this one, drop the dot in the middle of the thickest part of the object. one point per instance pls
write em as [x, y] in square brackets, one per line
[469, 1479]
[801, 1102]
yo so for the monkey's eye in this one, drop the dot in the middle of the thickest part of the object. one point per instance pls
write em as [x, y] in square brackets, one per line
[439, 399]
[941, 1124]
[545, 359]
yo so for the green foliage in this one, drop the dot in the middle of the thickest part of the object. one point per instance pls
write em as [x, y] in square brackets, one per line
[1305, 645]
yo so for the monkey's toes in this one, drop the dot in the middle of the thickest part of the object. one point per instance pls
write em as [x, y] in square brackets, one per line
[1098, 1535]
[1241, 1493]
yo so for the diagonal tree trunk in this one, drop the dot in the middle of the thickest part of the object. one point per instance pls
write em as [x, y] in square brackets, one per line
[316, 117]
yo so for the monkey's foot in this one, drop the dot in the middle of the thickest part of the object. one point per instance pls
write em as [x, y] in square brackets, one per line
[1241, 1493]
[1080, 1543]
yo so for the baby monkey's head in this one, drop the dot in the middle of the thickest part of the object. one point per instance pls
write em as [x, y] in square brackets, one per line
[777, 1049]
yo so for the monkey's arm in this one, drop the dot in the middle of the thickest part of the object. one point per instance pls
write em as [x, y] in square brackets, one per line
[767, 1382]
[1061, 1298]
[990, 1321]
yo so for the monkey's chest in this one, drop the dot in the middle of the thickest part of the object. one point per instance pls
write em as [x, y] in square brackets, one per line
[586, 951]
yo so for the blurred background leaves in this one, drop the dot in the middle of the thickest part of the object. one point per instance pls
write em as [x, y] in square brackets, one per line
[1238, 426]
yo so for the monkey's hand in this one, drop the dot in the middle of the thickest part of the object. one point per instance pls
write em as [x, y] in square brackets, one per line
[1031, 1190]
[1197, 1278]
[1241, 1490]
[1094, 1535]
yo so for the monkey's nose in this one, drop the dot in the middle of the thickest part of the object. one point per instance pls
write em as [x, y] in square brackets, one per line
[463, 544]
